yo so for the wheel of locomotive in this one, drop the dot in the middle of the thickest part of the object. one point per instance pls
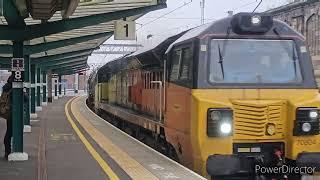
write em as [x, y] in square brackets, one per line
[239, 177]
[98, 111]
[141, 136]
[128, 130]
[171, 153]
[295, 177]
[160, 145]
[136, 133]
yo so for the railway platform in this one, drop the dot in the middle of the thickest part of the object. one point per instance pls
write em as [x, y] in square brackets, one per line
[69, 141]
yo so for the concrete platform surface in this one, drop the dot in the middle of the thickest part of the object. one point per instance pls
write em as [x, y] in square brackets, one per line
[21, 170]
[55, 151]
[69, 142]
[137, 160]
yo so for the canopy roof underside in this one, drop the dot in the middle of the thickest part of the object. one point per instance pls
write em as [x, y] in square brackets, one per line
[82, 10]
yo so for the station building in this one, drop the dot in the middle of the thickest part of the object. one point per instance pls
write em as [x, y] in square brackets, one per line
[304, 16]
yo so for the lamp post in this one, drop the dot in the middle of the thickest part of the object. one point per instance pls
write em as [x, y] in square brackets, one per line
[202, 5]
[137, 35]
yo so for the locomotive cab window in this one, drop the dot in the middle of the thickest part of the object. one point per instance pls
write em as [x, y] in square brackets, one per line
[250, 62]
[182, 66]
[175, 65]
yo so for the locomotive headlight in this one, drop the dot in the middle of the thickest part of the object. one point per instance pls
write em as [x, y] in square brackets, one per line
[226, 128]
[306, 127]
[307, 122]
[313, 114]
[215, 115]
[219, 122]
[256, 20]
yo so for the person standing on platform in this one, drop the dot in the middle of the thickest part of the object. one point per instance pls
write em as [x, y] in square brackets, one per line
[5, 112]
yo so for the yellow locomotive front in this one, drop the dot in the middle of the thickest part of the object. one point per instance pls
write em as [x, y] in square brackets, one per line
[256, 105]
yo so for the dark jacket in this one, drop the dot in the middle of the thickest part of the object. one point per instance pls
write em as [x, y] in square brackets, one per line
[7, 87]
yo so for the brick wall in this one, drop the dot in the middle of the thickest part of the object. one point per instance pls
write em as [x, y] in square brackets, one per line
[304, 16]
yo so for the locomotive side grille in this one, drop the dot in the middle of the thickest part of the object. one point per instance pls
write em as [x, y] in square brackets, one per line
[251, 120]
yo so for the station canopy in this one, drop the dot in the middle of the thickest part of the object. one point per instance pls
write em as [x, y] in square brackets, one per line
[80, 42]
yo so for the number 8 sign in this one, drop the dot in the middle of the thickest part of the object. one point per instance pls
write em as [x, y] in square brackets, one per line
[17, 69]
[18, 76]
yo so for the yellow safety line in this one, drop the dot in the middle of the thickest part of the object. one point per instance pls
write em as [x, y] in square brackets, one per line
[133, 168]
[105, 167]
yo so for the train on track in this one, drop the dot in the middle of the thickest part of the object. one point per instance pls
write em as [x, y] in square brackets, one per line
[220, 98]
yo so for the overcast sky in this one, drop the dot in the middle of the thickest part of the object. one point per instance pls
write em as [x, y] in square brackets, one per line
[186, 15]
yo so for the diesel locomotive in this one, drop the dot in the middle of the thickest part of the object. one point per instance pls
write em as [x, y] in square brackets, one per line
[219, 98]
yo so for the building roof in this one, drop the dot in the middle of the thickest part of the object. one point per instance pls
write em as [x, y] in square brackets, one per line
[291, 6]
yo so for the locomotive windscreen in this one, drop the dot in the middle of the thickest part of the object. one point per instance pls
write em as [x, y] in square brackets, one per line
[254, 61]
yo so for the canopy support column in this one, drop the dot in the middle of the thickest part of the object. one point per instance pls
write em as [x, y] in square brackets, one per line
[17, 153]
[76, 83]
[60, 85]
[44, 88]
[55, 88]
[39, 84]
[27, 105]
[33, 92]
[49, 86]
[64, 89]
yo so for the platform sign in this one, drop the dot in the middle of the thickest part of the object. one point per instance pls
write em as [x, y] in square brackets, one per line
[17, 64]
[125, 30]
[17, 67]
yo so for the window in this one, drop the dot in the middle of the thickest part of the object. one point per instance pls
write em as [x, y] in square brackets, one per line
[186, 65]
[176, 57]
[182, 66]
[249, 61]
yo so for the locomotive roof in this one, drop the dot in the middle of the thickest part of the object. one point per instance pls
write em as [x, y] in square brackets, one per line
[191, 34]
[152, 55]
[146, 49]
[221, 27]
[113, 66]
[145, 57]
